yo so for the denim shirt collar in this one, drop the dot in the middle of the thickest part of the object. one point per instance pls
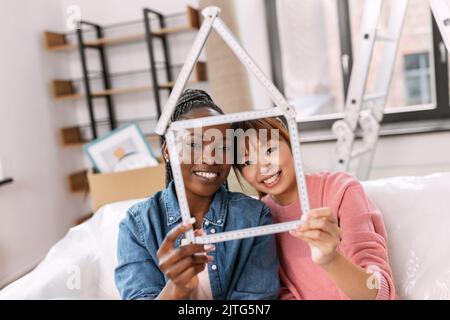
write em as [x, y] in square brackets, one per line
[216, 214]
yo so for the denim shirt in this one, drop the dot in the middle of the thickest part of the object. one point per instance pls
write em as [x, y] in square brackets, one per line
[241, 269]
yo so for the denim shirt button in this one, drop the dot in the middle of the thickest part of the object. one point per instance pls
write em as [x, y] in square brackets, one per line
[171, 219]
[213, 230]
[206, 223]
[219, 221]
[214, 267]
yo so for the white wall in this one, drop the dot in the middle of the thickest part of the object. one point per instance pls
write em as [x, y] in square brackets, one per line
[36, 209]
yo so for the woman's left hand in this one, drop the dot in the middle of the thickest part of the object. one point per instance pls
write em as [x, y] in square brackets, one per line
[321, 231]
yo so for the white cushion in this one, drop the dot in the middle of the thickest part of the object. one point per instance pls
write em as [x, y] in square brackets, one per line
[416, 213]
[415, 209]
[88, 250]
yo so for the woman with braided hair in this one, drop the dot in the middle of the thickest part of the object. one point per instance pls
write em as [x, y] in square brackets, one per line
[151, 262]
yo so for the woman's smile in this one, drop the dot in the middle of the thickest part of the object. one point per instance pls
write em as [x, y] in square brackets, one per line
[272, 180]
[207, 175]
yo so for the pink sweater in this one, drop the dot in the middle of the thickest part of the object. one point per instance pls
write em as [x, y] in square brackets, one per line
[363, 239]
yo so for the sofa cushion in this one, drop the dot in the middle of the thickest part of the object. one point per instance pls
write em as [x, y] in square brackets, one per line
[416, 213]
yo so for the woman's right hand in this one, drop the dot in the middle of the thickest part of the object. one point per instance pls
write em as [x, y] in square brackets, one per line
[182, 265]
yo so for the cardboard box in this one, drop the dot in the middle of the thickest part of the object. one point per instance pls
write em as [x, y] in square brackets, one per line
[132, 184]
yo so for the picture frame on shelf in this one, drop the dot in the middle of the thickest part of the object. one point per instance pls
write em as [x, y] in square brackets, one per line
[124, 148]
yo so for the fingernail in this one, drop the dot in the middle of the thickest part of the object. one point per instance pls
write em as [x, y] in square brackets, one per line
[209, 247]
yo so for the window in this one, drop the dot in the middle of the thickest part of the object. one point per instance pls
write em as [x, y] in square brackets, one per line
[416, 37]
[313, 43]
[310, 55]
[417, 79]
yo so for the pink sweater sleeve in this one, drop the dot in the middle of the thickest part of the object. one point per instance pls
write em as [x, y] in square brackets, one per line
[363, 233]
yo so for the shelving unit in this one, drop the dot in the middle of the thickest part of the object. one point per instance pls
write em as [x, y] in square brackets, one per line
[78, 182]
[76, 89]
[72, 136]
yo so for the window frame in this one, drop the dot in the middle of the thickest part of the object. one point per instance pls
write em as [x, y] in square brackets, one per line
[438, 111]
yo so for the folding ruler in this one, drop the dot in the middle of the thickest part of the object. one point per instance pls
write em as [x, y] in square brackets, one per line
[441, 13]
[282, 108]
[370, 118]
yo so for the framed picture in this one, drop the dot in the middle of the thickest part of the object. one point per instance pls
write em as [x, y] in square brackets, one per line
[122, 149]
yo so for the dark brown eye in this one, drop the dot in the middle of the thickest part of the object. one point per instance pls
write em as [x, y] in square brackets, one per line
[270, 150]
[246, 163]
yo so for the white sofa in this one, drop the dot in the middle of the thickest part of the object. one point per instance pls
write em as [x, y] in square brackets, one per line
[416, 212]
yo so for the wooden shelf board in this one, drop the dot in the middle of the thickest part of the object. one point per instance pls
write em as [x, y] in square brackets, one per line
[63, 47]
[67, 97]
[116, 40]
[77, 182]
[121, 40]
[75, 144]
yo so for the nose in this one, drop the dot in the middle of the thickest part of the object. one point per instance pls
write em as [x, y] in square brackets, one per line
[209, 159]
[265, 169]
[265, 164]
[268, 167]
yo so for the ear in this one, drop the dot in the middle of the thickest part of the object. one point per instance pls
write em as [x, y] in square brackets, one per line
[165, 151]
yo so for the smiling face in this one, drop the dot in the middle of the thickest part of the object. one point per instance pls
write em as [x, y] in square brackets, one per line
[273, 172]
[204, 173]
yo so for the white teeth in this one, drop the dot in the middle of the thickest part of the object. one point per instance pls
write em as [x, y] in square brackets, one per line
[208, 175]
[271, 179]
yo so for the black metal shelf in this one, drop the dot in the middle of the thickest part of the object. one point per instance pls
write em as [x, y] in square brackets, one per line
[64, 89]
[6, 181]
[105, 77]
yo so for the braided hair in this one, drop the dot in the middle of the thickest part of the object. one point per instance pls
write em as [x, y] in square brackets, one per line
[189, 100]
